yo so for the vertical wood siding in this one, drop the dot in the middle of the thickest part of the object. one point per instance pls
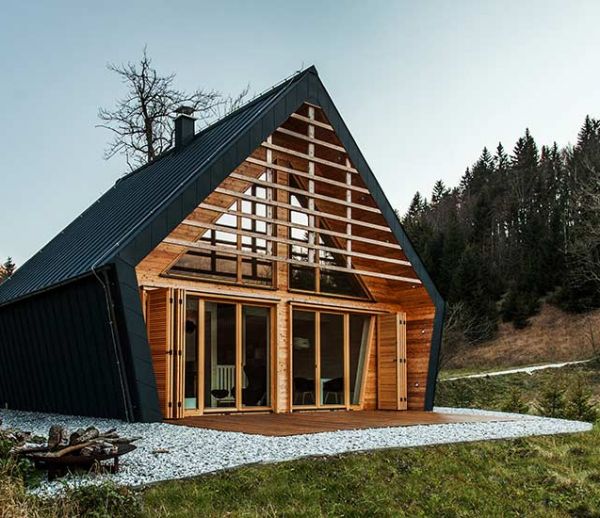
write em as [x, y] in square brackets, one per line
[57, 353]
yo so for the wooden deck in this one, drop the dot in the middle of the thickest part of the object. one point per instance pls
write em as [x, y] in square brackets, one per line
[328, 421]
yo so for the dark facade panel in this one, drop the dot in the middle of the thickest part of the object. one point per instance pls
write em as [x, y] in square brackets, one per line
[134, 344]
[57, 354]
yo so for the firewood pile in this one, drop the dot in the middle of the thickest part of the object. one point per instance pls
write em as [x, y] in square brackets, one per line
[18, 438]
[85, 442]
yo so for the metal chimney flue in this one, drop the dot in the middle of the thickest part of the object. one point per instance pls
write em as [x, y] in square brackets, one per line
[184, 125]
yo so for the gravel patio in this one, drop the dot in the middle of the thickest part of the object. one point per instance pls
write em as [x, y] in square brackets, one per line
[173, 451]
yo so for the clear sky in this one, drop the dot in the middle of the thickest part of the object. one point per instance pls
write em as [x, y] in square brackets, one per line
[423, 86]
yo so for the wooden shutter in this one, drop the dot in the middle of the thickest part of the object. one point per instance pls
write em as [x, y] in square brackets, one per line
[178, 345]
[159, 318]
[402, 376]
[391, 362]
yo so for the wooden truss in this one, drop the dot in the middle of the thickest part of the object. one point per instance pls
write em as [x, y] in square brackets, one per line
[301, 169]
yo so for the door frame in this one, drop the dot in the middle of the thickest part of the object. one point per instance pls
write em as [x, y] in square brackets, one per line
[345, 312]
[179, 378]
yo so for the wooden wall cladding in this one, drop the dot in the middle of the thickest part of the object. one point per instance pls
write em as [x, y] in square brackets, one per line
[158, 324]
[306, 143]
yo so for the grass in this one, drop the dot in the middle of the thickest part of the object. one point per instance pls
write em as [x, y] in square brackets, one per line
[491, 392]
[541, 476]
[546, 476]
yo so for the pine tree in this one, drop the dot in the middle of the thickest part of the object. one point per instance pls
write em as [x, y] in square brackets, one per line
[514, 403]
[552, 400]
[439, 192]
[471, 284]
[579, 402]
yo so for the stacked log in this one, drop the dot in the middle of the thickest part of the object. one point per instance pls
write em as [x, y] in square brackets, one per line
[88, 442]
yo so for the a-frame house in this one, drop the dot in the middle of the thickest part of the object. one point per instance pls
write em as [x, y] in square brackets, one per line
[256, 266]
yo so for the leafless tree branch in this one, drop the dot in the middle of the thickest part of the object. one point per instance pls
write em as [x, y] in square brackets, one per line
[142, 120]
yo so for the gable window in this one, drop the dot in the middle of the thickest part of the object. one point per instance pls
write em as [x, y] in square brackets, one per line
[316, 253]
[246, 231]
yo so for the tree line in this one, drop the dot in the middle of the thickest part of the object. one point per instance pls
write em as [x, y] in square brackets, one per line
[520, 229]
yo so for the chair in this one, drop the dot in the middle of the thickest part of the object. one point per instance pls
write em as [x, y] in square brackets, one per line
[255, 393]
[303, 387]
[334, 387]
[219, 394]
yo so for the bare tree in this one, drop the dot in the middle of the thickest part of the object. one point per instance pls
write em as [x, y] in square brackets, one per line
[142, 121]
[459, 324]
[7, 269]
[585, 250]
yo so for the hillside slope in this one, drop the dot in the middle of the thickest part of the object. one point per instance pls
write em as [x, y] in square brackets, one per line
[552, 336]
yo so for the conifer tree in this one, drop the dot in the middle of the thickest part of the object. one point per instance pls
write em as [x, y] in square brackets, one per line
[552, 400]
[514, 403]
[439, 192]
[579, 402]
[517, 230]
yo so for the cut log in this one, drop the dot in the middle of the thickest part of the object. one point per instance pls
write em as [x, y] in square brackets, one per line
[25, 450]
[56, 436]
[122, 440]
[68, 449]
[81, 436]
[74, 437]
[99, 448]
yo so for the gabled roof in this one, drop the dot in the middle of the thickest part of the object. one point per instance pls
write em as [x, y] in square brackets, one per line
[96, 236]
[131, 218]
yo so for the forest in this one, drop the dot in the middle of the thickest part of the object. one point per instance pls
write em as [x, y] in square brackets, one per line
[521, 228]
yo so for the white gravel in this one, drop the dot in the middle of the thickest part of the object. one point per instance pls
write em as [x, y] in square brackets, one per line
[196, 451]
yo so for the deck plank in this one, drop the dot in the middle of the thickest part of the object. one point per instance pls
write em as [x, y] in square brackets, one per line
[314, 422]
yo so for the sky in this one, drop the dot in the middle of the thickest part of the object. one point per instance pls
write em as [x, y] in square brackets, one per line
[423, 86]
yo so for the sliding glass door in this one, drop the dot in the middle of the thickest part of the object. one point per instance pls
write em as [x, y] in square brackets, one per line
[331, 352]
[226, 356]
[256, 337]
[220, 339]
[304, 365]
[329, 355]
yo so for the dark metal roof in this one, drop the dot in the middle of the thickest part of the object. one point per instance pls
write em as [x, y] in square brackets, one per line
[135, 215]
[95, 237]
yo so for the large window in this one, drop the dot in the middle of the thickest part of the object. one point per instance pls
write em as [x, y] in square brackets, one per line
[329, 357]
[219, 355]
[226, 362]
[317, 254]
[256, 337]
[238, 248]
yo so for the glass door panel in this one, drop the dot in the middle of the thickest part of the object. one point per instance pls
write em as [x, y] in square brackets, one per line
[359, 336]
[220, 331]
[331, 359]
[191, 361]
[303, 357]
[256, 333]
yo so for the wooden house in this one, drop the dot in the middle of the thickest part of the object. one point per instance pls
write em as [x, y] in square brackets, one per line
[255, 267]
